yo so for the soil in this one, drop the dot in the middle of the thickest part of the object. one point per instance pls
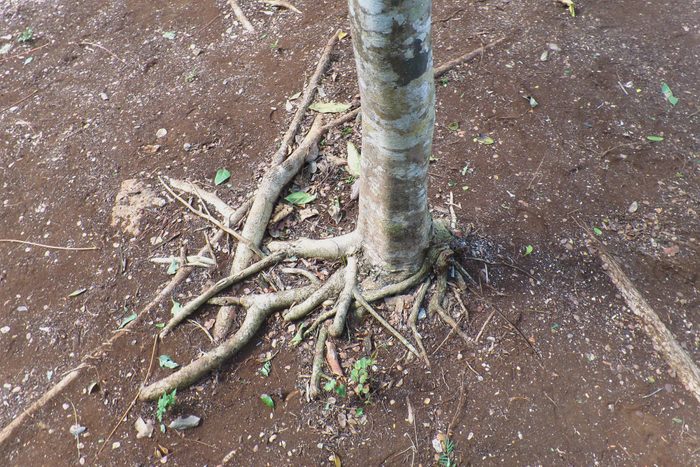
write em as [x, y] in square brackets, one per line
[79, 121]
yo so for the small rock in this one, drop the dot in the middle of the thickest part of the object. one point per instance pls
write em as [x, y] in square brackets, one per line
[5, 329]
[553, 47]
[162, 133]
[77, 430]
[187, 146]
[633, 207]
[104, 96]
[144, 429]
[184, 423]
[116, 445]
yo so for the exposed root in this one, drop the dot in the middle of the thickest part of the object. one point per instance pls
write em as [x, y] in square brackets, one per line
[269, 191]
[360, 299]
[302, 272]
[240, 16]
[259, 307]
[450, 64]
[413, 319]
[436, 300]
[344, 299]
[317, 322]
[192, 306]
[330, 288]
[315, 382]
[325, 248]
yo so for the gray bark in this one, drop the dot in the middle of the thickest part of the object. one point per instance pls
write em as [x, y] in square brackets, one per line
[393, 54]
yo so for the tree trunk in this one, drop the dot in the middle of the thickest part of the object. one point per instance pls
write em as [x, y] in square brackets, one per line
[393, 53]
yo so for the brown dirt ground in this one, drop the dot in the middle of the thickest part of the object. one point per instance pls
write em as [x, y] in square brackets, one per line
[598, 396]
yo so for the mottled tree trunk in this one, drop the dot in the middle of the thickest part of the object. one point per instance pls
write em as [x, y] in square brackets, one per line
[393, 53]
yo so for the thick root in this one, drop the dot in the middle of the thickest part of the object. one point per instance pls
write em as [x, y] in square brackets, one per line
[259, 308]
[413, 320]
[343, 303]
[315, 382]
[323, 293]
[192, 306]
[326, 248]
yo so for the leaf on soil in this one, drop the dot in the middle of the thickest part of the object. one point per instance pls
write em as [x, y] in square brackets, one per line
[185, 423]
[127, 320]
[177, 306]
[26, 36]
[281, 211]
[454, 126]
[668, 94]
[528, 250]
[300, 198]
[77, 292]
[221, 176]
[329, 107]
[267, 400]
[174, 266]
[484, 139]
[295, 96]
[5, 49]
[597, 231]
[166, 362]
[655, 138]
[170, 35]
[144, 429]
[77, 430]
[353, 160]
[571, 6]
[342, 35]
[307, 213]
[265, 369]
[533, 102]
[336, 461]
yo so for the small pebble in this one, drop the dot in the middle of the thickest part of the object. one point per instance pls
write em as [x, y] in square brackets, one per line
[161, 133]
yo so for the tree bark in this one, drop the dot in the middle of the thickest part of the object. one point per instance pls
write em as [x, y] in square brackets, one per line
[393, 54]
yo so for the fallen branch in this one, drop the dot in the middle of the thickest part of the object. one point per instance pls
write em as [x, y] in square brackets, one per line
[661, 338]
[360, 299]
[282, 4]
[450, 64]
[50, 247]
[240, 16]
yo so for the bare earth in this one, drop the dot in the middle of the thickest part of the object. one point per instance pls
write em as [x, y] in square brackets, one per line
[80, 119]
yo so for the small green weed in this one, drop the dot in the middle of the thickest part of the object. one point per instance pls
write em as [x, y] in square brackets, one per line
[165, 402]
[447, 456]
[26, 36]
[361, 377]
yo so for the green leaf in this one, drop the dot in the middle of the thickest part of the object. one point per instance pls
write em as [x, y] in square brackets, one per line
[175, 309]
[677, 420]
[267, 400]
[597, 231]
[655, 138]
[265, 369]
[484, 139]
[170, 35]
[164, 403]
[298, 337]
[341, 390]
[221, 176]
[329, 386]
[75, 293]
[329, 107]
[166, 362]
[26, 36]
[174, 266]
[299, 198]
[668, 94]
[359, 412]
[528, 250]
[127, 320]
[159, 325]
[454, 126]
[353, 160]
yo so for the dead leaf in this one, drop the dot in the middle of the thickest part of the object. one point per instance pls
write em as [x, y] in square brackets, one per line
[151, 148]
[332, 359]
[281, 211]
[307, 213]
[673, 250]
